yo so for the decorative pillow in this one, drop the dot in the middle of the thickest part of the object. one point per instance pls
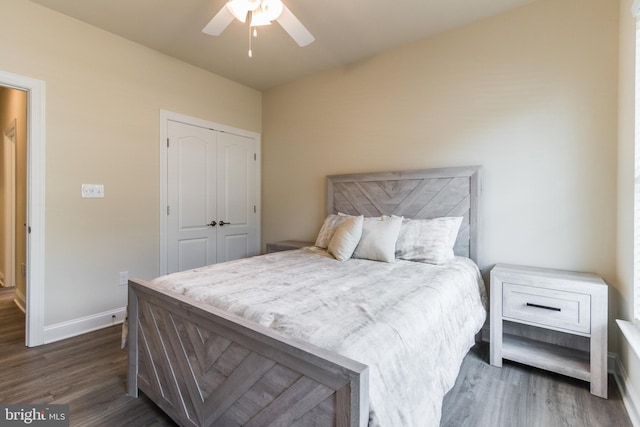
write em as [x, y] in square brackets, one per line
[346, 238]
[378, 241]
[428, 240]
[329, 227]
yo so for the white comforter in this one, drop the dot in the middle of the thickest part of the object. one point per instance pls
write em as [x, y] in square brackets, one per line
[411, 323]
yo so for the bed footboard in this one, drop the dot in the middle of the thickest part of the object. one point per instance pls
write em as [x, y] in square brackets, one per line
[204, 367]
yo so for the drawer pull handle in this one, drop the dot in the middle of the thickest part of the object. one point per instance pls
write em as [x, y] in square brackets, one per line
[546, 307]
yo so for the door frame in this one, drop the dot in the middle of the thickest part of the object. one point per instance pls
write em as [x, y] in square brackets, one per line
[36, 162]
[9, 177]
[165, 117]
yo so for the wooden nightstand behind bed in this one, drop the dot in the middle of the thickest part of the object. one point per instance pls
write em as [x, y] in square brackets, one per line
[286, 245]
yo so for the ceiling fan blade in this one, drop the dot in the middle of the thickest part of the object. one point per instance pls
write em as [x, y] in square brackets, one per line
[294, 27]
[218, 23]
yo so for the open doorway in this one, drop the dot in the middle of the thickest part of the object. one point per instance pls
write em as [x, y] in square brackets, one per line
[33, 227]
[13, 193]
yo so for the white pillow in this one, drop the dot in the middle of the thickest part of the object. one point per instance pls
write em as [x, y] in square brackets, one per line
[428, 240]
[329, 227]
[378, 241]
[346, 238]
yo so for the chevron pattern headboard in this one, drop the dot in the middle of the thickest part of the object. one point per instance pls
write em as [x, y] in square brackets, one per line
[416, 194]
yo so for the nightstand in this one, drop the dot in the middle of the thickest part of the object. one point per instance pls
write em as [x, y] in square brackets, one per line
[551, 319]
[286, 245]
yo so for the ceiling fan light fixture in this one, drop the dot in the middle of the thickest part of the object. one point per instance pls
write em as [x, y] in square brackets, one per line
[239, 9]
[269, 11]
[259, 18]
[263, 12]
[253, 4]
[272, 9]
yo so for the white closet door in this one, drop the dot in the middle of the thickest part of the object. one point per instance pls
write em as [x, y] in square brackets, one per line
[237, 217]
[212, 192]
[192, 195]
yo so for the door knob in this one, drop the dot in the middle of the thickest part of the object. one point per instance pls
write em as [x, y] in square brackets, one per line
[212, 224]
[223, 223]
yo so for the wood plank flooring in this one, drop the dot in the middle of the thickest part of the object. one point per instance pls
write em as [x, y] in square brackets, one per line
[89, 373]
[521, 396]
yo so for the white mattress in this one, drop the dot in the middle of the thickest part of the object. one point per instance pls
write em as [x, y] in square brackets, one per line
[411, 323]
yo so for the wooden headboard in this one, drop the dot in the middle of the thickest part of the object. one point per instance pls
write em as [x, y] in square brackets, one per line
[415, 194]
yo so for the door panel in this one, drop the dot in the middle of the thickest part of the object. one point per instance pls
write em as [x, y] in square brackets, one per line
[192, 196]
[193, 253]
[192, 183]
[235, 246]
[236, 197]
[234, 176]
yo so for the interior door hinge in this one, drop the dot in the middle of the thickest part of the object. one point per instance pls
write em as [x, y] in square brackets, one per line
[167, 142]
[255, 156]
[168, 210]
[254, 209]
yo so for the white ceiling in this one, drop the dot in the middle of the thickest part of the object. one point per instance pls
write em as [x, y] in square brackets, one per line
[346, 31]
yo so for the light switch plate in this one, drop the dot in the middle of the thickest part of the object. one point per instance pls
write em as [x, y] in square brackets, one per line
[93, 191]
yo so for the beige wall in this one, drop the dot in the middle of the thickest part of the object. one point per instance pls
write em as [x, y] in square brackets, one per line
[626, 137]
[13, 106]
[103, 99]
[530, 94]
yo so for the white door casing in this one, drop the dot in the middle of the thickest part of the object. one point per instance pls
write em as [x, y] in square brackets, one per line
[36, 172]
[9, 187]
[210, 174]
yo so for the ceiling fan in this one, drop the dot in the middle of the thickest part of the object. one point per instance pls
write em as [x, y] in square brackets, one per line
[259, 12]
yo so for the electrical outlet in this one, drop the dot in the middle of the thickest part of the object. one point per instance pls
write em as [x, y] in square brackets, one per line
[124, 278]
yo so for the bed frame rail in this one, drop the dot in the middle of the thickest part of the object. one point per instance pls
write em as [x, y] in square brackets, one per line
[205, 367]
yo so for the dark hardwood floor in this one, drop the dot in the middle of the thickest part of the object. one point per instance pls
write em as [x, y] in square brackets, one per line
[521, 396]
[89, 373]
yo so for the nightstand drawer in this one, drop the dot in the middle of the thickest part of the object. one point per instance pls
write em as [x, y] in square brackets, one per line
[549, 307]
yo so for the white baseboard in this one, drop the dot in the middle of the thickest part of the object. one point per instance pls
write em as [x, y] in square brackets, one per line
[72, 328]
[21, 301]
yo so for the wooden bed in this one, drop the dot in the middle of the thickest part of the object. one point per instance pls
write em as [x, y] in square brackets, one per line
[205, 367]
